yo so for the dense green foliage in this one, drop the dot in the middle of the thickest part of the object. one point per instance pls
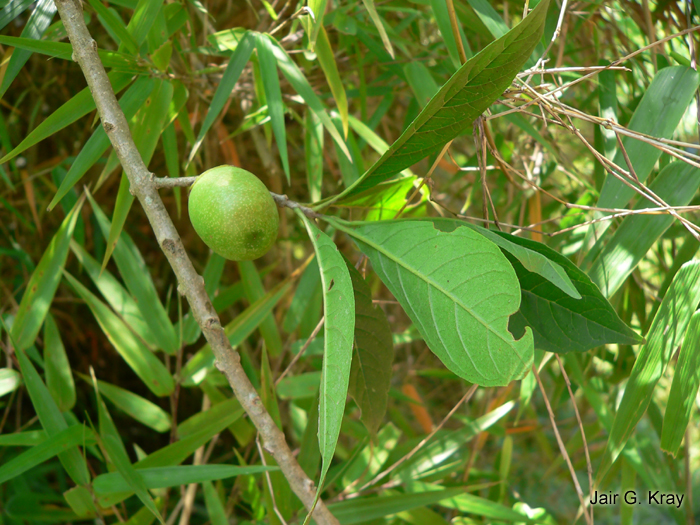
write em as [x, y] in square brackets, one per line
[499, 206]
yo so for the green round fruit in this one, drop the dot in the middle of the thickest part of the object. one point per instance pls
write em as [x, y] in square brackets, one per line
[233, 213]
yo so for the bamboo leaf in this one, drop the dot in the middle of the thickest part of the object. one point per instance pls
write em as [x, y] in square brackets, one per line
[137, 278]
[664, 336]
[273, 96]
[326, 58]
[675, 185]
[372, 357]
[60, 443]
[339, 326]
[113, 23]
[59, 378]
[43, 283]
[470, 91]
[441, 279]
[233, 71]
[34, 29]
[97, 144]
[313, 150]
[141, 360]
[9, 380]
[377, 21]
[684, 389]
[215, 508]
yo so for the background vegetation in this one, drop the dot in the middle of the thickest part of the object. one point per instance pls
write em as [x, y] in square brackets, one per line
[309, 119]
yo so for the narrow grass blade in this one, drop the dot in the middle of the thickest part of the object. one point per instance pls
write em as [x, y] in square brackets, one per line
[339, 327]
[143, 18]
[273, 95]
[137, 278]
[470, 91]
[372, 357]
[313, 151]
[684, 389]
[233, 70]
[657, 115]
[326, 58]
[59, 378]
[34, 29]
[49, 415]
[77, 107]
[116, 295]
[141, 360]
[60, 443]
[438, 279]
[135, 406]
[442, 17]
[215, 508]
[163, 477]
[114, 24]
[254, 291]
[12, 10]
[664, 336]
[43, 283]
[112, 444]
[377, 21]
[97, 144]
[301, 85]
[676, 185]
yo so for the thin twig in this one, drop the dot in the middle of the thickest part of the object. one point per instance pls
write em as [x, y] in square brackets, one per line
[189, 281]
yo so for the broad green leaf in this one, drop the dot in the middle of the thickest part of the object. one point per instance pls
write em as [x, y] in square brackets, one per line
[301, 85]
[97, 144]
[43, 283]
[534, 256]
[684, 389]
[339, 326]
[676, 185]
[110, 59]
[657, 115]
[61, 442]
[313, 150]
[237, 330]
[112, 444]
[137, 277]
[9, 380]
[470, 91]
[49, 415]
[458, 289]
[215, 508]
[385, 200]
[162, 477]
[139, 358]
[273, 95]
[59, 378]
[664, 336]
[233, 70]
[559, 322]
[77, 107]
[146, 130]
[372, 357]
[113, 23]
[377, 21]
[326, 58]
[34, 29]
[116, 295]
[135, 406]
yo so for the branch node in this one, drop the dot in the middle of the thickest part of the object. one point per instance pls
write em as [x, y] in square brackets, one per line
[181, 290]
[93, 43]
[108, 126]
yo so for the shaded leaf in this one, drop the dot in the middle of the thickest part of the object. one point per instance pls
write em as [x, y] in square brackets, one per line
[667, 329]
[59, 378]
[373, 355]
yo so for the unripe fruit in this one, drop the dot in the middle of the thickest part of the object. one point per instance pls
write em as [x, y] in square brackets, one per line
[233, 213]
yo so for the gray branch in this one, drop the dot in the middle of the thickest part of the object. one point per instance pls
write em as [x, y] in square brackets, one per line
[282, 200]
[144, 188]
